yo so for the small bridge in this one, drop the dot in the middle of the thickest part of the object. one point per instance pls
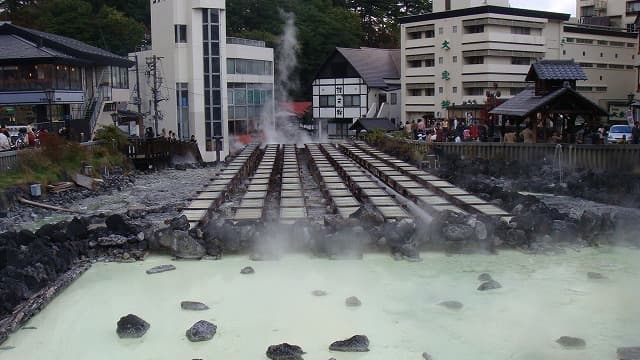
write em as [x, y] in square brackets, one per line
[159, 153]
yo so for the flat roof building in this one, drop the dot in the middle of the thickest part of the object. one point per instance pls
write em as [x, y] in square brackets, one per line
[466, 50]
[619, 14]
[208, 86]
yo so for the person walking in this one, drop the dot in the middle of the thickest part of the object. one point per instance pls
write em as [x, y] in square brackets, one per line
[5, 144]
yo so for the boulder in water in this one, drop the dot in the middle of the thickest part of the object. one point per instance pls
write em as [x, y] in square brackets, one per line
[426, 356]
[132, 326]
[285, 351]
[184, 246]
[489, 285]
[353, 301]
[201, 331]
[356, 343]
[485, 277]
[193, 306]
[160, 269]
[319, 293]
[247, 270]
[595, 276]
[451, 305]
[571, 342]
[629, 353]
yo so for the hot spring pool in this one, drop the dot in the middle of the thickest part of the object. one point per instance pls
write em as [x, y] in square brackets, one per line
[543, 298]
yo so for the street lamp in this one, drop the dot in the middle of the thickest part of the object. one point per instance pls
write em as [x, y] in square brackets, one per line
[50, 94]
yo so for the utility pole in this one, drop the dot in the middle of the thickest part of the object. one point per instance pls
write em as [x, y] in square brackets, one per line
[139, 99]
[152, 68]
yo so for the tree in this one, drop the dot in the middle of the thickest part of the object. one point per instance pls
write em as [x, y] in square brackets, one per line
[9, 7]
[117, 32]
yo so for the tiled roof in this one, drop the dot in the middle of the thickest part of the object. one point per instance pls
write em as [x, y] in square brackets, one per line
[527, 103]
[14, 47]
[373, 124]
[556, 70]
[374, 65]
[299, 107]
[63, 45]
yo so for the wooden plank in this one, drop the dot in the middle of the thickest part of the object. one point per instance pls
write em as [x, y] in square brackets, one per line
[345, 212]
[433, 200]
[442, 208]
[346, 202]
[200, 205]
[291, 194]
[209, 195]
[294, 186]
[470, 200]
[393, 212]
[258, 188]
[252, 203]
[255, 195]
[340, 193]
[368, 185]
[248, 215]
[490, 210]
[383, 201]
[374, 192]
[441, 184]
[420, 192]
[298, 213]
[292, 202]
[454, 191]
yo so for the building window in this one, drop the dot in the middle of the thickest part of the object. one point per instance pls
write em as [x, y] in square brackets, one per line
[182, 111]
[602, 66]
[603, 42]
[631, 27]
[429, 63]
[415, 63]
[440, 31]
[351, 100]
[440, 90]
[474, 29]
[570, 40]
[248, 103]
[520, 30]
[440, 60]
[584, 53]
[429, 92]
[454, 29]
[119, 77]
[600, 77]
[429, 34]
[455, 59]
[212, 84]
[616, 43]
[584, 41]
[455, 90]
[415, 92]
[249, 67]
[586, 65]
[601, 55]
[601, 88]
[474, 60]
[564, 52]
[327, 101]
[584, 88]
[180, 33]
[393, 98]
[616, 56]
[415, 35]
[475, 91]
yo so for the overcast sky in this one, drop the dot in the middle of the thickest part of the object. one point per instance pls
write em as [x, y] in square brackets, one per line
[563, 6]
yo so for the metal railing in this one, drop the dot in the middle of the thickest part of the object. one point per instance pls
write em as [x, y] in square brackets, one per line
[570, 156]
[10, 160]
[246, 42]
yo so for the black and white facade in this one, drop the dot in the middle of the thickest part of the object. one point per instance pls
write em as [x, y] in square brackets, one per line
[354, 84]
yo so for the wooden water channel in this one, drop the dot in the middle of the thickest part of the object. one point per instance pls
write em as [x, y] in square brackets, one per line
[270, 184]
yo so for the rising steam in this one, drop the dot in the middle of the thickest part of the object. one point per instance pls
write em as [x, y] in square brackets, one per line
[286, 82]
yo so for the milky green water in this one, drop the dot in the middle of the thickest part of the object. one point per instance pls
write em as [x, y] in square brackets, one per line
[543, 298]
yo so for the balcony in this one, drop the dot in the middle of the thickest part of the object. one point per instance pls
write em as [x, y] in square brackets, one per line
[504, 38]
[633, 8]
[423, 42]
[421, 71]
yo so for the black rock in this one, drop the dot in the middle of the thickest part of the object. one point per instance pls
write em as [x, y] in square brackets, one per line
[193, 306]
[451, 305]
[353, 301]
[118, 225]
[112, 240]
[489, 285]
[201, 331]
[186, 247]
[458, 232]
[485, 277]
[319, 293]
[624, 353]
[247, 270]
[26, 237]
[285, 352]
[160, 269]
[571, 342]
[426, 356]
[131, 326]
[356, 343]
[181, 167]
[517, 237]
[180, 223]
[367, 214]
[77, 229]
[595, 276]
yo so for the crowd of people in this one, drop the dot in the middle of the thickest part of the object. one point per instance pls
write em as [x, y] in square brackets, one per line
[421, 131]
[170, 136]
[24, 138]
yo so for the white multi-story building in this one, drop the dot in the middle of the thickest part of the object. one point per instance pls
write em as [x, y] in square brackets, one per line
[354, 84]
[620, 14]
[466, 48]
[212, 87]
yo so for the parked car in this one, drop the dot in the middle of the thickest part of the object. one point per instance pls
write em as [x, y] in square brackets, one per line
[617, 132]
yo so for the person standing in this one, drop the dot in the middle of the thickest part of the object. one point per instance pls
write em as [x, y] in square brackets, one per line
[635, 133]
[5, 144]
[527, 135]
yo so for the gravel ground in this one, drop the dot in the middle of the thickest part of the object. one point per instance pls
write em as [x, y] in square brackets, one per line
[161, 192]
